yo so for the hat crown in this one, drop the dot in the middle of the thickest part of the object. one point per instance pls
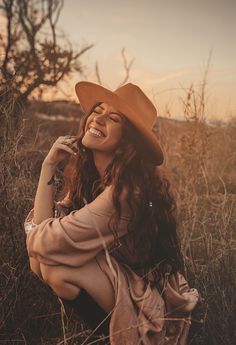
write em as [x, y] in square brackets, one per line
[139, 103]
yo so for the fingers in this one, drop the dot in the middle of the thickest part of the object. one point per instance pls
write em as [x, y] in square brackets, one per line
[68, 141]
[66, 148]
[67, 137]
[71, 146]
[192, 292]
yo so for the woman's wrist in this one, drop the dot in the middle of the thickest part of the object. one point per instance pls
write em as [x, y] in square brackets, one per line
[47, 165]
[49, 174]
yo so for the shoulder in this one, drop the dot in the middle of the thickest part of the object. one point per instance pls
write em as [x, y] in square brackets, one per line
[123, 200]
[103, 204]
[109, 191]
[105, 200]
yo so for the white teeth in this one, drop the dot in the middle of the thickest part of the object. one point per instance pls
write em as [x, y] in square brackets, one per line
[96, 132]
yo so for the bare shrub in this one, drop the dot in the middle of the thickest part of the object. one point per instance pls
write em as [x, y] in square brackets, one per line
[34, 55]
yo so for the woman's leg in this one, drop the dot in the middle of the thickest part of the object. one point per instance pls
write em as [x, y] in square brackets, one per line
[66, 282]
[85, 308]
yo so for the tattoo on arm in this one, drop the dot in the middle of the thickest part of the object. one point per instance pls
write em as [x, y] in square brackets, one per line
[52, 180]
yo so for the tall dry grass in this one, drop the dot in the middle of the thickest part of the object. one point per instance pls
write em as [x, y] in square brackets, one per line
[200, 162]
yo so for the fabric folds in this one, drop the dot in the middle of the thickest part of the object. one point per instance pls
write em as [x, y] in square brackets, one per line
[142, 315]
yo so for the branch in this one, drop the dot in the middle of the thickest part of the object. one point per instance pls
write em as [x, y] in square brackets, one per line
[127, 67]
[58, 12]
[23, 13]
[98, 73]
[7, 7]
[34, 57]
[83, 50]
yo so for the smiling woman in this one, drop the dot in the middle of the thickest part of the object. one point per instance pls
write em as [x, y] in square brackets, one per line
[111, 251]
[105, 123]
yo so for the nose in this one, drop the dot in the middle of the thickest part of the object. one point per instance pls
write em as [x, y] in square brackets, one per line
[100, 118]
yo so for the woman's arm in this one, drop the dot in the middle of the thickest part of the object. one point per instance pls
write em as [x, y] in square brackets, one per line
[43, 204]
[44, 199]
[77, 238]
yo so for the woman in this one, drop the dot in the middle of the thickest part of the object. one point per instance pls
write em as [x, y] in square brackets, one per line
[111, 243]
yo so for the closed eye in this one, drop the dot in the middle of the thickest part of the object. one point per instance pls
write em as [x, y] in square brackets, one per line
[115, 117]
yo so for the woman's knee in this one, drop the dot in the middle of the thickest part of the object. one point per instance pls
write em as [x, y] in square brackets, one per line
[66, 290]
[54, 277]
[49, 274]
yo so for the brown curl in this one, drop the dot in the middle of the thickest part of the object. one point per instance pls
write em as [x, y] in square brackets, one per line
[153, 227]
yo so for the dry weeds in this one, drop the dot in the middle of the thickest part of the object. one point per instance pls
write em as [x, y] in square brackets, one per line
[200, 161]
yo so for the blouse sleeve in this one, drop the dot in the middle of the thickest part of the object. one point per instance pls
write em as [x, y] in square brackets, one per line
[59, 210]
[75, 239]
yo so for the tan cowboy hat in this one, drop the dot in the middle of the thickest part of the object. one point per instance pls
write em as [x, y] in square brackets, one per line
[130, 100]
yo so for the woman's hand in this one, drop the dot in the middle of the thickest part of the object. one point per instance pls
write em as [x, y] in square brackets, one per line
[60, 150]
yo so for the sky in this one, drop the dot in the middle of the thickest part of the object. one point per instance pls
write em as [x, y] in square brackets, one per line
[171, 42]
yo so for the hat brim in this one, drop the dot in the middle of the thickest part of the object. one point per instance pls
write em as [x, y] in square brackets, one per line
[89, 94]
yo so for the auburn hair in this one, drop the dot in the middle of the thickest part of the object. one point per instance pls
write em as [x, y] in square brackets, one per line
[153, 226]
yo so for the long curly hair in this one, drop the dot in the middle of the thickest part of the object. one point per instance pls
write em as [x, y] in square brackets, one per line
[153, 225]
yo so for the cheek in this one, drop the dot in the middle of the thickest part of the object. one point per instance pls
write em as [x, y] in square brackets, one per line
[116, 134]
[89, 119]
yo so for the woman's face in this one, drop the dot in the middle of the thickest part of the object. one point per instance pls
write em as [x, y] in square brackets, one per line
[103, 129]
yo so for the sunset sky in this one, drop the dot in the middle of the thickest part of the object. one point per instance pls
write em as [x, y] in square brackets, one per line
[170, 41]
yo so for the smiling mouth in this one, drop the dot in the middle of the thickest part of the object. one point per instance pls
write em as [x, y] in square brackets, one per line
[96, 132]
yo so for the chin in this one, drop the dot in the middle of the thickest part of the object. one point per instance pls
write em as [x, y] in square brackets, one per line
[86, 143]
[89, 142]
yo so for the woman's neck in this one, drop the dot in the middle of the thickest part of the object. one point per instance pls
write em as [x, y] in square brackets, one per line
[101, 161]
